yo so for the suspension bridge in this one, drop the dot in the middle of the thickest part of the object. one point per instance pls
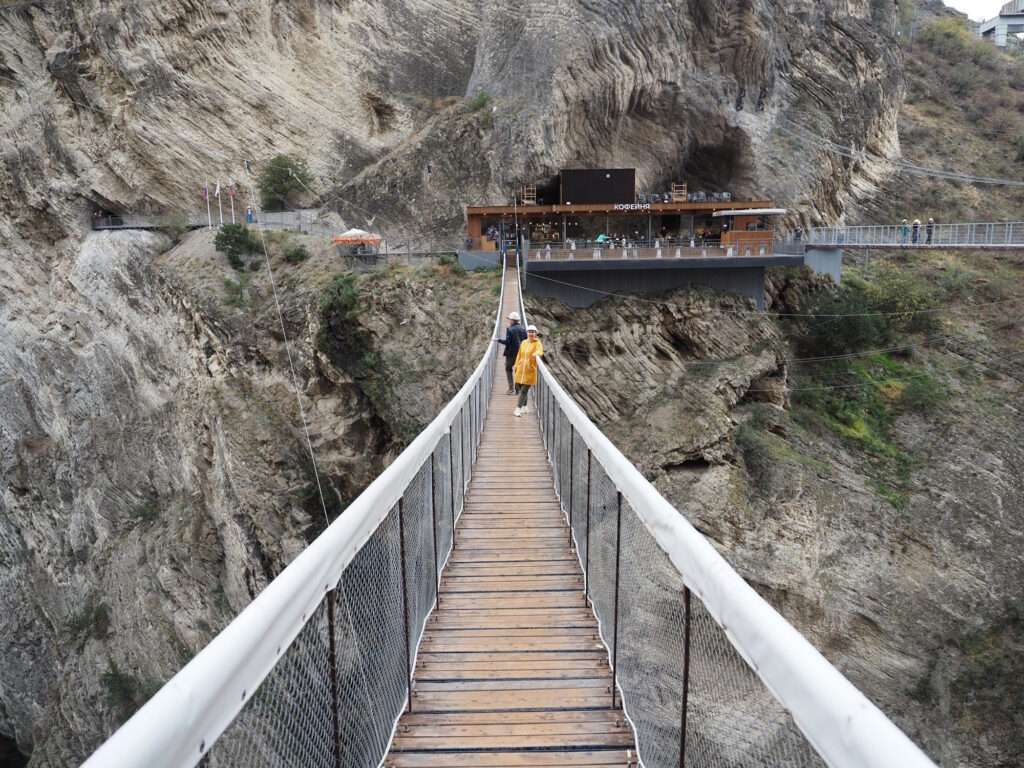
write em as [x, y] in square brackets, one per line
[509, 592]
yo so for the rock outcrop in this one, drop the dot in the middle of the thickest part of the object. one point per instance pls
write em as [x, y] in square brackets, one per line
[155, 474]
[139, 103]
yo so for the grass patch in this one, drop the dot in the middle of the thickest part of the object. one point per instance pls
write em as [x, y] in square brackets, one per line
[126, 693]
[448, 264]
[91, 621]
[478, 102]
[989, 688]
[235, 291]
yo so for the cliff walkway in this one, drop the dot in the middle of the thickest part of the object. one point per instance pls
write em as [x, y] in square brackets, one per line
[1001, 235]
[509, 592]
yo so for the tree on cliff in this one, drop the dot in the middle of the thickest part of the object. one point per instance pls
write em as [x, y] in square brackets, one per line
[282, 180]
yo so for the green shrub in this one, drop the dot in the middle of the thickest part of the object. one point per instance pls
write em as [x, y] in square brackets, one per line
[845, 323]
[905, 298]
[756, 453]
[956, 279]
[123, 690]
[282, 180]
[92, 621]
[296, 253]
[450, 262]
[478, 102]
[925, 393]
[235, 240]
[951, 39]
[341, 297]
[174, 224]
[234, 292]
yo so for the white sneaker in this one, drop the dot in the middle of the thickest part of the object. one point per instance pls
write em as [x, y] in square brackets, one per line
[526, 408]
[518, 412]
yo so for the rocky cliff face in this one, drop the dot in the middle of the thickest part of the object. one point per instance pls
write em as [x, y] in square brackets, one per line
[155, 472]
[916, 600]
[138, 103]
[153, 477]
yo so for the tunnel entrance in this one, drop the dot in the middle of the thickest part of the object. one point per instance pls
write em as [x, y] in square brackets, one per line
[720, 167]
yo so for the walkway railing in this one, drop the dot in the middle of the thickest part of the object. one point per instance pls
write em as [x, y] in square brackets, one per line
[993, 235]
[317, 669]
[299, 221]
[653, 250]
[708, 673]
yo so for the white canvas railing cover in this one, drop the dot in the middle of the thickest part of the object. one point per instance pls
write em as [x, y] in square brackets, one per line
[842, 725]
[184, 718]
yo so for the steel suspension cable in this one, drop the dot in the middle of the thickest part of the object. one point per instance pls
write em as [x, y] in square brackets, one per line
[287, 343]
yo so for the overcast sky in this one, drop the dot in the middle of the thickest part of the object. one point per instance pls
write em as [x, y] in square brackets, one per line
[978, 10]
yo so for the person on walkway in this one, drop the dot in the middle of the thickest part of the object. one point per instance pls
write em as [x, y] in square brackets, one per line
[515, 334]
[915, 231]
[248, 214]
[929, 227]
[904, 229]
[530, 351]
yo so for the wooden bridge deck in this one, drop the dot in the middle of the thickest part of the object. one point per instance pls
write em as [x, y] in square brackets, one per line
[512, 671]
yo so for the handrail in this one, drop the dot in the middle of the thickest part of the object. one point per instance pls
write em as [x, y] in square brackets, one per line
[995, 235]
[188, 714]
[840, 723]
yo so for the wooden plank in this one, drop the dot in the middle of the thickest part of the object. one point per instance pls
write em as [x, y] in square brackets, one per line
[572, 739]
[568, 716]
[512, 670]
[535, 759]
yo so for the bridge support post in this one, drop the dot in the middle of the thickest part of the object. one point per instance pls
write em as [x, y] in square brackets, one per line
[556, 447]
[586, 566]
[451, 474]
[405, 602]
[572, 473]
[618, 558]
[433, 530]
[686, 673]
[335, 705]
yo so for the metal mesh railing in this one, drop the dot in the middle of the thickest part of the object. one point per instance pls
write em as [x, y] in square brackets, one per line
[1000, 234]
[648, 617]
[325, 685]
[354, 685]
[335, 695]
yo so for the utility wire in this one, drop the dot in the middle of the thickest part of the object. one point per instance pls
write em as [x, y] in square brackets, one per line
[890, 380]
[802, 134]
[821, 358]
[287, 344]
[52, 95]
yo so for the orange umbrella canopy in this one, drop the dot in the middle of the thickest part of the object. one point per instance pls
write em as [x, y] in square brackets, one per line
[357, 237]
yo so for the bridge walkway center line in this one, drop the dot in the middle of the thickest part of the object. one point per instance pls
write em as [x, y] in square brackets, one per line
[511, 671]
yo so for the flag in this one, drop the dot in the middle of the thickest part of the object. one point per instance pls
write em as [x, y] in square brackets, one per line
[231, 188]
[216, 192]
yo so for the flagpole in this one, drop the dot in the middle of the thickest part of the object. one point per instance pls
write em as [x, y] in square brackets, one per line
[206, 196]
[220, 205]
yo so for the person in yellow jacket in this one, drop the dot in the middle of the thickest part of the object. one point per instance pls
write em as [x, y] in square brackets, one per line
[525, 369]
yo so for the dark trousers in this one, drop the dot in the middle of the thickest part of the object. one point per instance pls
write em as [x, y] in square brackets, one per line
[524, 389]
[509, 363]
